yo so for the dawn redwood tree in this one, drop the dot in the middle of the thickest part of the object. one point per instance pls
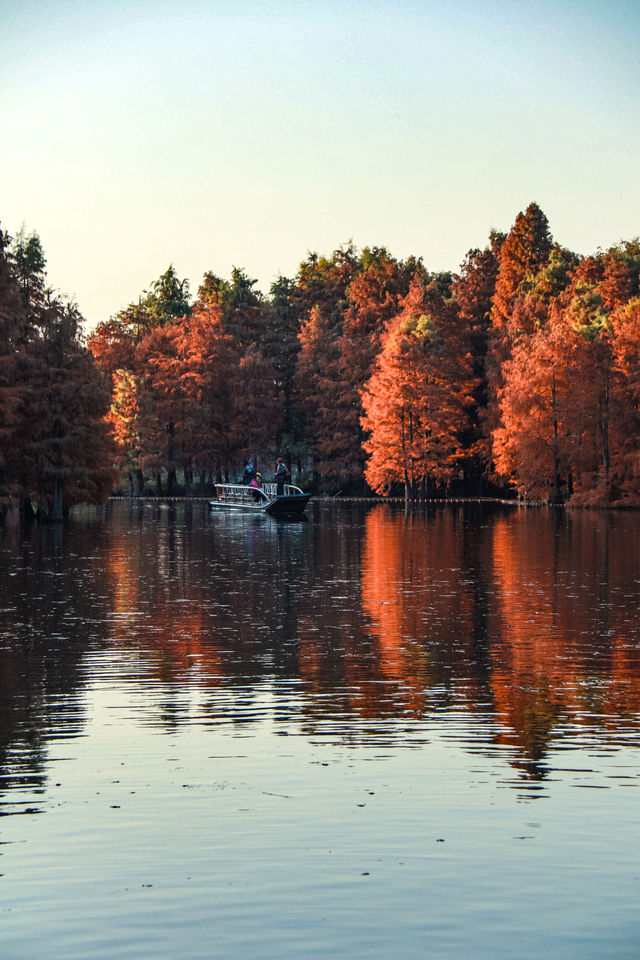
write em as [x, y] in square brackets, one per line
[14, 336]
[473, 289]
[124, 417]
[28, 268]
[207, 363]
[528, 441]
[116, 345]
[374, 297]
[317, 384]
[524, 251]
[62, 451]
[113, 344]
[243, 310]
[280, 344]
[322, 283]
[160, 404]
[69, 449]
[319, 298]
[530, 445]
[257, 412]
[604, 416]
[241, 306]
[625, 321]
[417, 399]
[114, 341]
[569, 416]
[626, 346]
[620, 274]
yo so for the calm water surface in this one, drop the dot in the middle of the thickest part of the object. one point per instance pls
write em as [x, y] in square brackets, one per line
[369, 734]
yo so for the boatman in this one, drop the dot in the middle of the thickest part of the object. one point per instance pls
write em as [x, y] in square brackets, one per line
[249, 472]
[282, 476]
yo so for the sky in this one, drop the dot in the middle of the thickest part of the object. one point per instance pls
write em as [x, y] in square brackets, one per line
[208, 135]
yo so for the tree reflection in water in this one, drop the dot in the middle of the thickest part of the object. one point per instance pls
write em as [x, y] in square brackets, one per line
[363, 624]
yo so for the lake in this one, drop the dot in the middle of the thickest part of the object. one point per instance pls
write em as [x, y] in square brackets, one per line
[370, 733]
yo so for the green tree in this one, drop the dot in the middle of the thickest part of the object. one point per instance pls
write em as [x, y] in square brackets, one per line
[280, 344]
[241, 306]
[473, 289]
[29, 267]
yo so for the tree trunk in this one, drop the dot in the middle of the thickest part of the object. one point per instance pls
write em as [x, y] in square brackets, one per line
[43, 510]
[556, 493]
[604, 429]
[56, 506]
[27, 513]
[188, 481]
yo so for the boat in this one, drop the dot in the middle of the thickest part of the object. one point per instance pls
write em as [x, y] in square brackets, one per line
[264, 499]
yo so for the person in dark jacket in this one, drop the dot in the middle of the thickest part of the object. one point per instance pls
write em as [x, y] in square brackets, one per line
[249, 472]
[282, 476]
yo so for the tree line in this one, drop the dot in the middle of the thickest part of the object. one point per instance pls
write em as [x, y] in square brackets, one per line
[519, 373]
[56, 447]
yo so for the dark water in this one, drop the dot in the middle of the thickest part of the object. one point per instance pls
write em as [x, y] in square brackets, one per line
[364, 735]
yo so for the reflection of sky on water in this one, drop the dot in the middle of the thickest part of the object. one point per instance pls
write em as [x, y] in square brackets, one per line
[214, 731]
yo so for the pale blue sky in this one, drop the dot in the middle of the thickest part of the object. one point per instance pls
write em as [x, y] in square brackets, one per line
[207, 134]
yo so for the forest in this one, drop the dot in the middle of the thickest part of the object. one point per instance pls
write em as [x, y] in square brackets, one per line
[518, 375]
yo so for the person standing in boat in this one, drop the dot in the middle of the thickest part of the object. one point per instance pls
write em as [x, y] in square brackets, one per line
[249, 473]
[282, 476]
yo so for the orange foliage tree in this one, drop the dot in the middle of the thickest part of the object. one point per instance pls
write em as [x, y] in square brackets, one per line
[626, 345]
[206, 369]
[417, 400]
[523, 252]
[529, 445]
[569, 418]
[374, 297]
[604, 415]
[521, 368]
[528, 439]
